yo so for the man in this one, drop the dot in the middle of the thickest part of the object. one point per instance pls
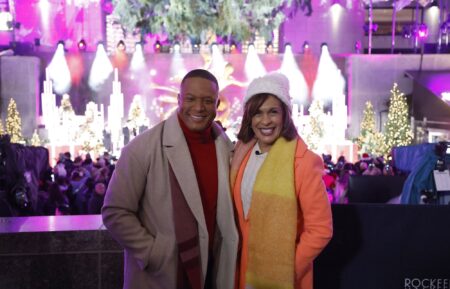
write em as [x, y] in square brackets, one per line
[168, 202]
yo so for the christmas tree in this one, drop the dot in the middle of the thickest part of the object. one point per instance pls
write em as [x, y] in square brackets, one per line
[370, 140]
[397, 128]
[316, 129]
[35, 140]
[89, 134]
[136, 116]
[66, 105]
[14, 123]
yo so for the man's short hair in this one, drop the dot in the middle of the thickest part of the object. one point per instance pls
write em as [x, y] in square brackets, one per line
[202, 73]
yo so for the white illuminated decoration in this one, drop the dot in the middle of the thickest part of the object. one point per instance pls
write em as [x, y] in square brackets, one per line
[65, 129]
[49, 109]
[116, 113]
[5, 19]
[328, 89]
[446, 96]
[137, 120]
[334, 124]
[90, 132]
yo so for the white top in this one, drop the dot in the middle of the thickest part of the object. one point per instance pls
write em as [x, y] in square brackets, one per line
[248, 180]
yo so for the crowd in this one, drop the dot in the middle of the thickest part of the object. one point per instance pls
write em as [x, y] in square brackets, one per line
[75, 187]
[336, 176]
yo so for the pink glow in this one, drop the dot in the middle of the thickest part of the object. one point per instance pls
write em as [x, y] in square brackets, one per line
[63, 21]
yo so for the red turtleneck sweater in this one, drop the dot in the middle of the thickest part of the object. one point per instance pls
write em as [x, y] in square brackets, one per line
[203, 153]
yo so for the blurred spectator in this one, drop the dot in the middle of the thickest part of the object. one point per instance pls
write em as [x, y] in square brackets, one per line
[97, 197]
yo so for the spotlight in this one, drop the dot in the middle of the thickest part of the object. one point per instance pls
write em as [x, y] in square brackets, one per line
[305, 46]
[138, 60]
[287, 47]
[157, 46]
[82, 45]
[269, 47]
[196, 48]
[233, 47]
[101, 68]
[176, 47]
[324, 48]
[214, 46]
[121, 46]
[422, 31]
[61, 44]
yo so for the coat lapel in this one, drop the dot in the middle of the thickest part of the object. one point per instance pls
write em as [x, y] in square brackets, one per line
[178, 154]
[224, 203]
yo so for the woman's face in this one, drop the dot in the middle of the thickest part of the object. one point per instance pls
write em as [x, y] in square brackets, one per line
[267, 123]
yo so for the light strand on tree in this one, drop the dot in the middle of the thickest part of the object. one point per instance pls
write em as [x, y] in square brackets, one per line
[14, 123]
[398, 128]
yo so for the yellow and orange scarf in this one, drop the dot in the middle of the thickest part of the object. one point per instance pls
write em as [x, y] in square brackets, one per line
[272, 220]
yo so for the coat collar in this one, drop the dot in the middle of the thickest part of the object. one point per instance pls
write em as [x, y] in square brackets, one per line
[177, 151]
[175, 135]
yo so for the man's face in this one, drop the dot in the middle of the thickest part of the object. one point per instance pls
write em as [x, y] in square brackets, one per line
[197, 103]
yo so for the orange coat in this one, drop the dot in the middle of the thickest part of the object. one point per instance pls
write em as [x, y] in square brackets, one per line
[314, 223]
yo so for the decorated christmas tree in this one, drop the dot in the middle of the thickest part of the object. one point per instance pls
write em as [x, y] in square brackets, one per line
[35, 140]
[370, 140]
[136, 116]
[66, 105]
[90, 134]
[14, 123]
[316, 128]
[397, 128]
[67, 121]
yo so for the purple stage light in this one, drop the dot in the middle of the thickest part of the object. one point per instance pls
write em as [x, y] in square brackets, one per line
[82, 45]
[422, 32]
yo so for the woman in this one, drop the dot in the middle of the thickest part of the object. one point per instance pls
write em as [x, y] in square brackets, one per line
[282, 207]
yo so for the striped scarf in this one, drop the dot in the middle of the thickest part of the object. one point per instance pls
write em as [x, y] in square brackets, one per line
[273, 221]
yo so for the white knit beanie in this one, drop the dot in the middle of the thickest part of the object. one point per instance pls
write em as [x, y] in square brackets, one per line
[272, 83]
